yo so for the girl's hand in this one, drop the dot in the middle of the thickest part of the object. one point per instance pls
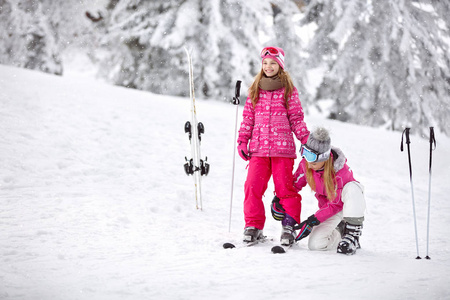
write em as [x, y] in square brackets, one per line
[306, 227]
[278, 212]
[243, 151]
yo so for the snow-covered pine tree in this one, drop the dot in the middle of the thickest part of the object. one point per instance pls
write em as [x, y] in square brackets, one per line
[134, 30]
[230, 45]
[285, 14]
[28, 40]
[388, 62]
[148, 38]
[75, 25]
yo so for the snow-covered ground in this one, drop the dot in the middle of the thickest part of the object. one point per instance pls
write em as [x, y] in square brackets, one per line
[95, 204]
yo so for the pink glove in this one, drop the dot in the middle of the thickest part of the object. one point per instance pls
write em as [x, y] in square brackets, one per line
[304, 140]
[243, 151]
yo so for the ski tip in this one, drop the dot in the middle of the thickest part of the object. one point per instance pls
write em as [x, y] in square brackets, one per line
[278, 249]
[228, 246]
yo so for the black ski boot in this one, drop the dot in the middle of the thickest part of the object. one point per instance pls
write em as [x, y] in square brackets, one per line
[350, 239]
[287, 231]
[341, 228]
[252, 234]
[287, 235]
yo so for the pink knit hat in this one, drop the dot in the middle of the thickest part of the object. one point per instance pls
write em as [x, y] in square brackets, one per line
[275, 53]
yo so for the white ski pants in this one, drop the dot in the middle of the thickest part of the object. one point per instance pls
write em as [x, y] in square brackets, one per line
[325, 236]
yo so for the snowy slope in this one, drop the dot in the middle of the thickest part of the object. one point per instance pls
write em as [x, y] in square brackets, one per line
[95, 204]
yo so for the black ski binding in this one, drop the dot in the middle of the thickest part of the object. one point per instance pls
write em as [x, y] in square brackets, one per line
[188, 129]
[189, 166]
[204, 167]
[201, 130]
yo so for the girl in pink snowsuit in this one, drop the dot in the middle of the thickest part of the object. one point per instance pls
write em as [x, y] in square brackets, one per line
[272, 114]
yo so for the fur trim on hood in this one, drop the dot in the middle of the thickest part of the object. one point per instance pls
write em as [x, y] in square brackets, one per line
[339, 158]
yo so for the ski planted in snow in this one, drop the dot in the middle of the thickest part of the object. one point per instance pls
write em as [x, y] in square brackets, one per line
[195, 166]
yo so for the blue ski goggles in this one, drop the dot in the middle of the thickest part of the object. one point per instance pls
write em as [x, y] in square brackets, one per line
[312, 155]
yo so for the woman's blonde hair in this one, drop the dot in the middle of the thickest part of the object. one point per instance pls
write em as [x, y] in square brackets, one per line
[286, 80]
[329, 178]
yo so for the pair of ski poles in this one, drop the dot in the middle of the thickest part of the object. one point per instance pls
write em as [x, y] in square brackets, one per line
[432, 147]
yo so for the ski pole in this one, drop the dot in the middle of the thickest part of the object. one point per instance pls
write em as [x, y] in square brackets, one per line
[432, 141]
[406, 132]
[236, 102]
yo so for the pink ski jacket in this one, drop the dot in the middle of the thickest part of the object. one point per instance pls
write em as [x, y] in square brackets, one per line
[269, 126]
[343, 175]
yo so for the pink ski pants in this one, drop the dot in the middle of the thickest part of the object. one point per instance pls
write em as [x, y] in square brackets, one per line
[259, 172]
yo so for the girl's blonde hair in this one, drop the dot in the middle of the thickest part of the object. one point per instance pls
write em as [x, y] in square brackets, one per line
[329, 178]
[286, 80]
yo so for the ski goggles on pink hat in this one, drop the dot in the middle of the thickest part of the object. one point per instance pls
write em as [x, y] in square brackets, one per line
[272, 51]
[275, 53]
[312, 155]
